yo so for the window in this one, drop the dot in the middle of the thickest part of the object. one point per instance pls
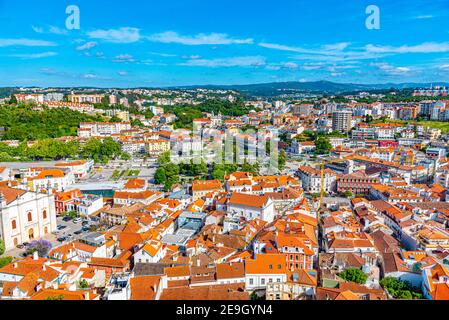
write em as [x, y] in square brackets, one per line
[30, 217]
[44, 214]
[251, 281]
[271, 266]
[14, 224]
[262, 281]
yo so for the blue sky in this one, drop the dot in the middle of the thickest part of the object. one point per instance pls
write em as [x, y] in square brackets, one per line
[184, 42]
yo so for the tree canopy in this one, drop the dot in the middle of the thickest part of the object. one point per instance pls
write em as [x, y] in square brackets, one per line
[354, 275]
[22, 122]
[400, 289]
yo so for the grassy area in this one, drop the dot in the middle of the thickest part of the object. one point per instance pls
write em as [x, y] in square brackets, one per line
[115, 175]
[442, 125]
[133, 173]
[118, 174]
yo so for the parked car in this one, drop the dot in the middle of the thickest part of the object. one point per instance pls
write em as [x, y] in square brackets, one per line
[78, 232]
[62, 239]
[60, 227]
[77, 220]
[66, 219]
[85, 229]
[20, 246]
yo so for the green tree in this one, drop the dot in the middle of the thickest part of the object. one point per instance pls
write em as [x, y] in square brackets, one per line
[92, 148]
[164, 158]
[322, 145]
[282, 159]
[5, 157]
[2, 247]
[125, 156]
[171, 170]
[5, 261]
[83, 284]
[400, 289]
[354, 275]
[115, 119]
[110, 147]
[58, 297]
[347, 194]
[218, 172]
[160, 176]
[73, 148]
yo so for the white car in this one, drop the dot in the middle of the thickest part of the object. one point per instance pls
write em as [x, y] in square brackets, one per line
[77, 220]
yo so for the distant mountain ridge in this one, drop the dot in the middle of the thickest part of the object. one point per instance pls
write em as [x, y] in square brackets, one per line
[276, 88]
[273, 88]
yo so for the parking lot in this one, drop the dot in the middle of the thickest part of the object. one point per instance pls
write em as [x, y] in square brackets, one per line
[70, 228]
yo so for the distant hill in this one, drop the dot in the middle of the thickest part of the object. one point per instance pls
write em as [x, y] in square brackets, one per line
[323, 87]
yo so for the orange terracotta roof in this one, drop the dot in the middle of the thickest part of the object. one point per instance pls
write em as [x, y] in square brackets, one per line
[145, 287]
[266, 264]
[248, 200]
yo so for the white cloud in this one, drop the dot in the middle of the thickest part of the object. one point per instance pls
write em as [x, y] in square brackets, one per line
[162, 54]
[57, 30]
[198, 39]
[124, 58]
[89, 76]
[427, 47]
[328, 49]
[122, 73]
[26, 43]
[282, 47]
[248, 61]
[87, 46]
[121, 35]
[336, 46]
[35, 55]
[389, 69]
[38, 29]
[192, 57]
[426, 16]
[290, 65]
[328, 52]
[51, 29]
[283, 65]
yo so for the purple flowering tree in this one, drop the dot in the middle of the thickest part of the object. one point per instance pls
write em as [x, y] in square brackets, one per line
[42, 247]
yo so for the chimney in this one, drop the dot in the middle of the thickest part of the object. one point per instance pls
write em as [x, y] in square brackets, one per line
[87, 295]
[35, 255]
[15, 265]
